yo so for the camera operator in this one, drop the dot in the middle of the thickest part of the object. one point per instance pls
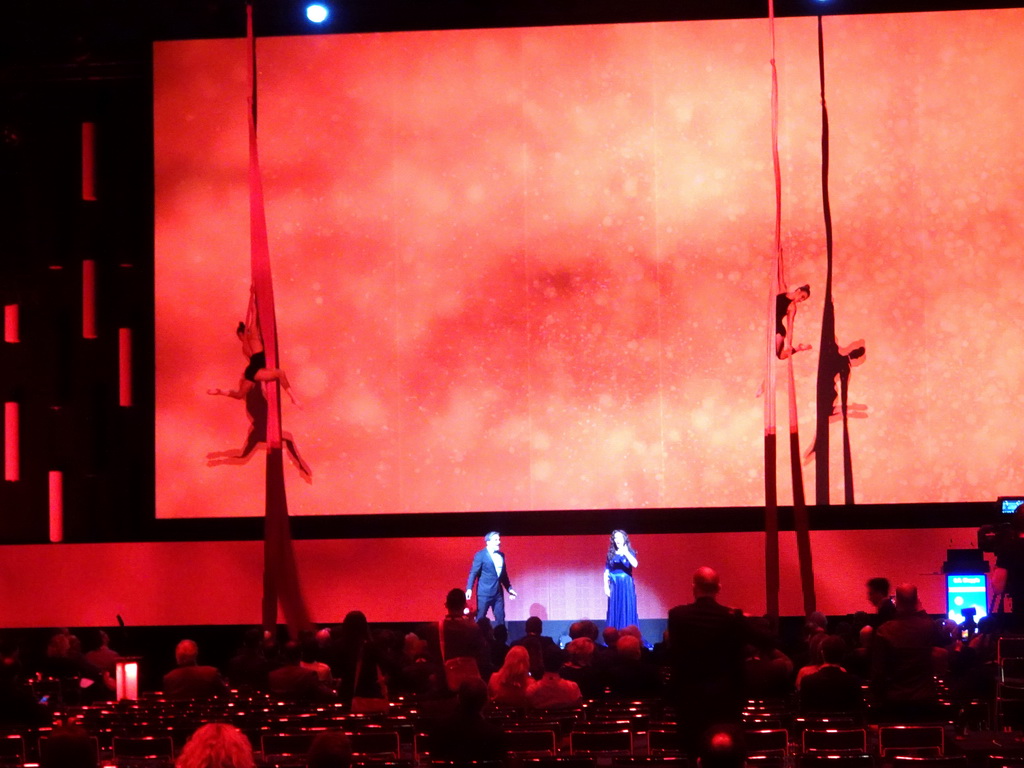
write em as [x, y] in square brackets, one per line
[1008, 576]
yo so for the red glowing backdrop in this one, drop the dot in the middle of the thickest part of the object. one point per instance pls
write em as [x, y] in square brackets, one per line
[528, 268]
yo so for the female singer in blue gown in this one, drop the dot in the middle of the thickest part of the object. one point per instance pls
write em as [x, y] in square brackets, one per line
[618, 581]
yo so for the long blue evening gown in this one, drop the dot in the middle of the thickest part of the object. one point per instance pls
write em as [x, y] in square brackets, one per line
[622, 602]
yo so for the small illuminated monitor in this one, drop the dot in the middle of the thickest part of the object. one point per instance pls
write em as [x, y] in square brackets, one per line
[1008, 504]
[966, 591]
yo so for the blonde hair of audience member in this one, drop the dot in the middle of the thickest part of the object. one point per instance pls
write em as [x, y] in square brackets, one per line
[216, 745]
[514, 673]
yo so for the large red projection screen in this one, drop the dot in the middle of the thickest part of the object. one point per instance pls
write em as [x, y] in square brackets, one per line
[525, 269]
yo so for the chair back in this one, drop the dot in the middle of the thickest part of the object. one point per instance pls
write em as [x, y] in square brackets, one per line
[911, 740]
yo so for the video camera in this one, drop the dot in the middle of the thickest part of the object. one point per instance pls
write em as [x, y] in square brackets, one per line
[992, 538]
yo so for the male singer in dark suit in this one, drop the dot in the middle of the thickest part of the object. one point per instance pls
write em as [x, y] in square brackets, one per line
[489, 567]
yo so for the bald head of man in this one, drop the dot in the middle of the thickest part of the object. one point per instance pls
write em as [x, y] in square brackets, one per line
[705, 582]
[906, 597]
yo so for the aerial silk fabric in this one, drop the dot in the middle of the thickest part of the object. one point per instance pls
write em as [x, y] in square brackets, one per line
[280, 574]
[777, 285]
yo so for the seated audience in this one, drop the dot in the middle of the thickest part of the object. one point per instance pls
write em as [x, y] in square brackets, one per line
[551, 692]
[856, 661]
[509, 685]
[216, 745]
[248, 669]
[580, 668]
[83, 683]
[293, 682]
[310, 652]
[629, 676]
[104, 658]
[831, 688]
[767, 671]
[537, 644]
[191, 680]
[415, 671]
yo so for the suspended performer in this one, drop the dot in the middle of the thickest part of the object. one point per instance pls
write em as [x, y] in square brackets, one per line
[256, 410]
[248, 333]
[785, 312]
[618, 581]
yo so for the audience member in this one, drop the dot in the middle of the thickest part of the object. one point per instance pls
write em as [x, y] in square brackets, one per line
[902, 671]
[500, 646]
[358, 661]
[415, 670]
[767, 671]
[831, 688]
[551, 692]
[191, 680]
[604, 652]
[707, 643]
[509, 685]
[310, 654]
[580, 668]
[103, 657]
[857, 661]
[248, 669]
[293, 682]
[878, 596]
[216, 745]
[81, 682]
[537, 644]
[629, 675]
[457, 637]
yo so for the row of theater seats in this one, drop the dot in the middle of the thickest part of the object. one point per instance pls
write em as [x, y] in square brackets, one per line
[639, 733]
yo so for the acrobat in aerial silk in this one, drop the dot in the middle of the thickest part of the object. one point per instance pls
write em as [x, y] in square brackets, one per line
[782, 309]
[250, 389]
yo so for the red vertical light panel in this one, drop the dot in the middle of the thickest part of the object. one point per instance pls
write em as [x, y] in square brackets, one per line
[12, 459]
[11, 323]
[56, 506]
[124, 340]
[88, 299]
[88, 161]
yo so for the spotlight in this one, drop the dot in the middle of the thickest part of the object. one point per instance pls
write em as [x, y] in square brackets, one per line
[317, 13]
